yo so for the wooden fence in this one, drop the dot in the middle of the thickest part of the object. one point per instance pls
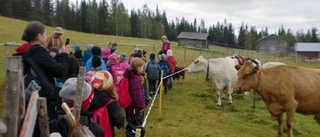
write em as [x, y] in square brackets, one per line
[19, 120]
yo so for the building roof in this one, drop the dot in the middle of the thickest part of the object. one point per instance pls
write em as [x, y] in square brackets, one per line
[270, 36]
[193, 35]
[307, 47]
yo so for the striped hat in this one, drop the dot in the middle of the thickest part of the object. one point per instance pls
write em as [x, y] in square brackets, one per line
[102, 81]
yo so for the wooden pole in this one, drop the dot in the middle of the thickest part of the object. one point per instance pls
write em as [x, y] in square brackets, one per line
[31, 116]
[12, 97]
[161, 92]
[22, 102]
[43, 117]
[185, 52]
[78, 102]
[75, 128]
[138, 132]
[207, 75]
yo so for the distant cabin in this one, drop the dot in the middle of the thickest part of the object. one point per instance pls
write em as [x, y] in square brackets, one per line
[193, 39]
[272, 44]
[308, 50]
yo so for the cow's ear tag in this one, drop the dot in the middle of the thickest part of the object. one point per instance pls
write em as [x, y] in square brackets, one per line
[237, 67]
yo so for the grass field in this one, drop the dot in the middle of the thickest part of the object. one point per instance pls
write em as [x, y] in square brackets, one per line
[189, 109]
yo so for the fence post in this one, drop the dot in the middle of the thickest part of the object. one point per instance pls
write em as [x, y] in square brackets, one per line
[207, 75]
[30, 119]
[185, 52]
[12, 100]
[78, 101]
[161, 92]
[43, 117]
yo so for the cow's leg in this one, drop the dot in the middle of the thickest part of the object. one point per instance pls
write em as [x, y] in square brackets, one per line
[280, 129]
[291, 109]
[219, 97]
[317, 118]
[218, 90]
[277, 110]
[229, 92]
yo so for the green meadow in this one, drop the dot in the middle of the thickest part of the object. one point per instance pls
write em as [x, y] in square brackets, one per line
[189, 109]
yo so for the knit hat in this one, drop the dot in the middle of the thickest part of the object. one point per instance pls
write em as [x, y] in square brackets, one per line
[69, 90]
[112, 59]
[152, 56]
[106, 53]
[102, 81]
[122, 57]
[95, 50]
[163, 57]
[96, 61]
[58, 30]
[89, 46]
[76, 47]
[169, 52]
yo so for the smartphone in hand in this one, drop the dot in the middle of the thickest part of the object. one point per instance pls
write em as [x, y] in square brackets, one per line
[67, 41]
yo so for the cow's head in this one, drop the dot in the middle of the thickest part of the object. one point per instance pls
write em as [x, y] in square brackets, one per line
[241, 59]
[198, 65]
[247, 77]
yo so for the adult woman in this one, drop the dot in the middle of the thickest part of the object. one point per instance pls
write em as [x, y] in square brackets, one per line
[165, 45]
[35, 34]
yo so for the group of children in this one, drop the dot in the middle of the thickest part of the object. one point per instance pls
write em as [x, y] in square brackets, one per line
[167, 64]
[57, 68]
[140, 71]
[100, 109]
[104, 71]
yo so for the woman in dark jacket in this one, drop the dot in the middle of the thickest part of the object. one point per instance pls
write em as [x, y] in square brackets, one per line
[134, 112]
[35, 34]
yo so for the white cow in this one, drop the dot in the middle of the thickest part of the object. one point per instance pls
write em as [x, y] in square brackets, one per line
[221, 71]
[272, 64]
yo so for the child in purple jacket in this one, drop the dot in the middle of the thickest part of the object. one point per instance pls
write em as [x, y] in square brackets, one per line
[134, 112]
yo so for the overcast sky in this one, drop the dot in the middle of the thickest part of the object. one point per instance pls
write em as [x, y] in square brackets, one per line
[294, 14]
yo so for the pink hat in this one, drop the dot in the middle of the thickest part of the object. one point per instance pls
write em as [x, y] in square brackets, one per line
[106, 53]
[112, 59]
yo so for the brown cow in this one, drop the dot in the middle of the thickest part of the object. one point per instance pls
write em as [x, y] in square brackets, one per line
[283, 89]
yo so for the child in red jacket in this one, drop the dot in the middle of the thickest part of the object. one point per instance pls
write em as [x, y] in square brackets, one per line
[172, 65]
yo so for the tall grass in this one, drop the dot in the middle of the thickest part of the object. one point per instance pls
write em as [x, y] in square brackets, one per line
[189, 109]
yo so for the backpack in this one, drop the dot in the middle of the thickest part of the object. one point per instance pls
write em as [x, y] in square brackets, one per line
[152, 71]
[101, 116]
[117, 73]
[125, 99]
[36, 79]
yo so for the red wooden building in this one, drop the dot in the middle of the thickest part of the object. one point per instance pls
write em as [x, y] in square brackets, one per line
[308, 50]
